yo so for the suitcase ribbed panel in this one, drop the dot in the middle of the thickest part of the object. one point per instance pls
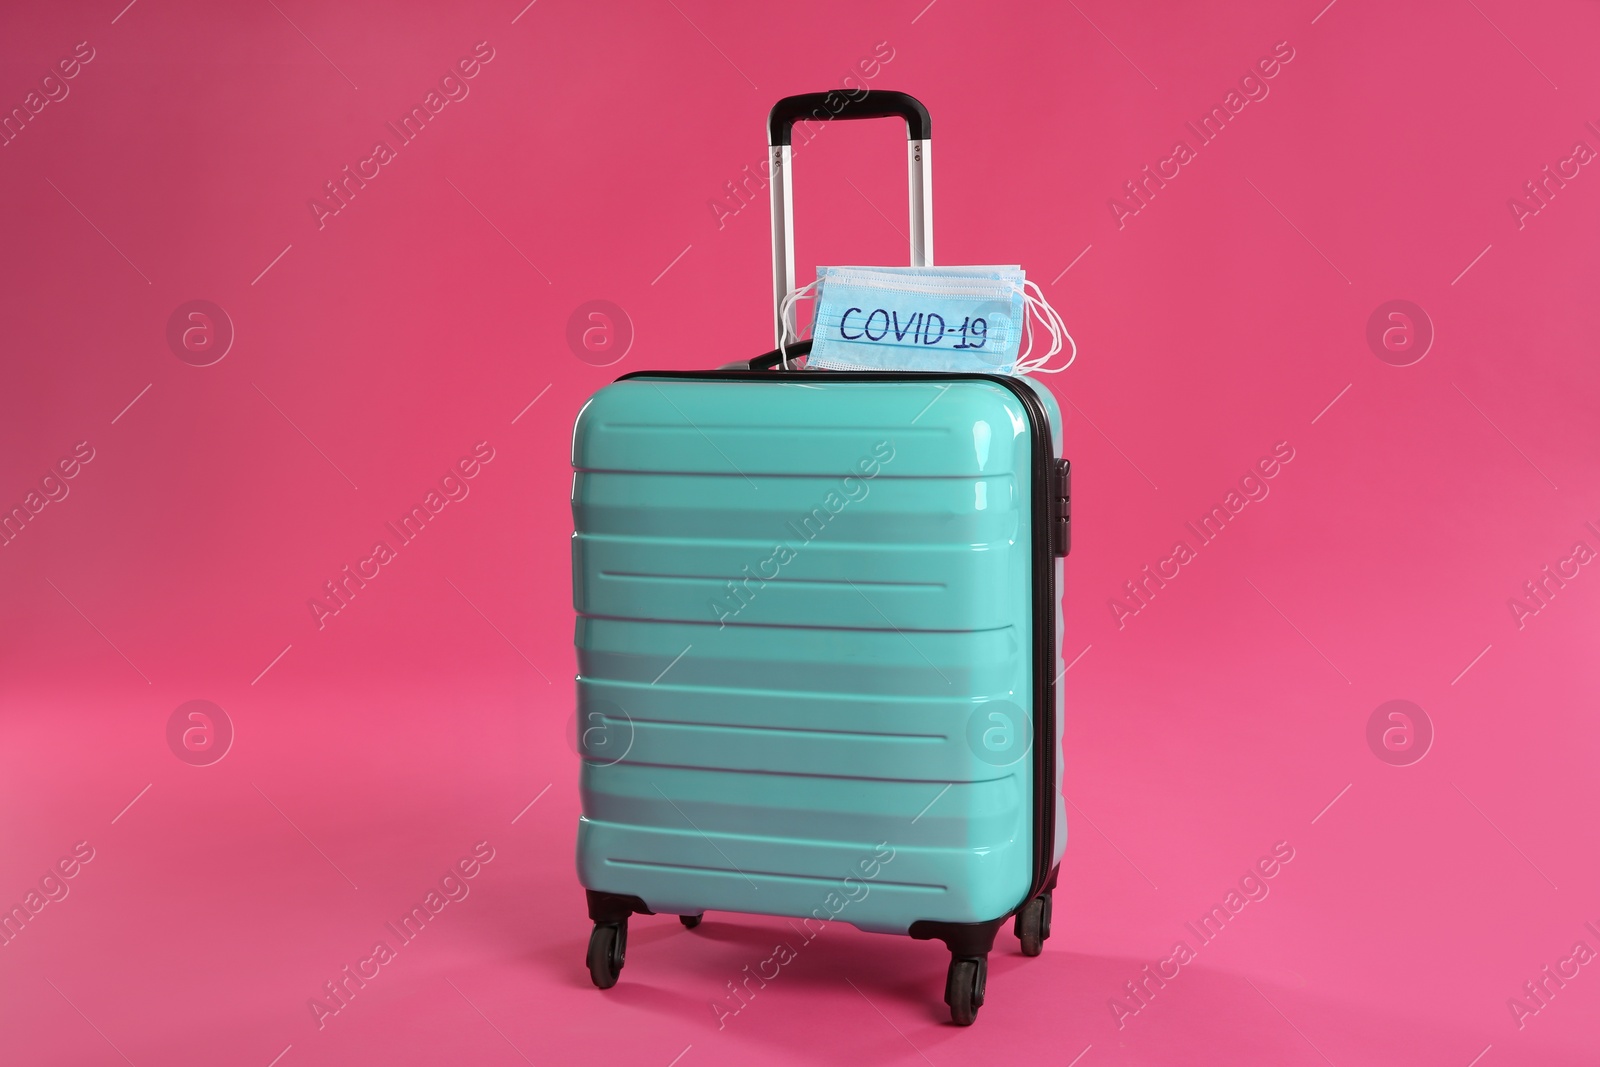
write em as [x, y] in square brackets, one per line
[798, 605]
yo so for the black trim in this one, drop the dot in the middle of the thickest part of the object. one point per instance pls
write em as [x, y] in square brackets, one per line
[614, 907]
[964, 940]
[1044, 593]
[870, 104]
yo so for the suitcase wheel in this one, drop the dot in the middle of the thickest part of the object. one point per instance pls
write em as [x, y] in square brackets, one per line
[691, 921]
[608, 947]
[1033, 925]
[963, 988]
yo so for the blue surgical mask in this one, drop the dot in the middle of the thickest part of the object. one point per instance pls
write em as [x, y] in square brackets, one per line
[928, 318]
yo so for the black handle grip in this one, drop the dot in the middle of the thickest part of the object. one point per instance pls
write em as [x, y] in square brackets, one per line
[767, 360]
[839, 104]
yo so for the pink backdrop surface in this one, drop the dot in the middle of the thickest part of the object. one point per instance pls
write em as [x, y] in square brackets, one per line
[1441, 461]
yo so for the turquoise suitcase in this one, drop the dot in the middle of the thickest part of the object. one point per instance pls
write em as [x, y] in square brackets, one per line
[817, 641]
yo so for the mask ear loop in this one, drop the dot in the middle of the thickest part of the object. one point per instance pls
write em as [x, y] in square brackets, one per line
[786, 311]
[1032, 311]
[1027, 332]
[1036, 305]
[1029, 312]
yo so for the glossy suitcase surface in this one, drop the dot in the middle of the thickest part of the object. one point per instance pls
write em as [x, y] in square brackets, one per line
[816, 642]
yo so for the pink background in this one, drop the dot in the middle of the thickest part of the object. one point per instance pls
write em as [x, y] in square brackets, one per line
[426, 316]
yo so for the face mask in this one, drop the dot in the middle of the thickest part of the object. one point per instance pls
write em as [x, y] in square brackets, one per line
[973, 319]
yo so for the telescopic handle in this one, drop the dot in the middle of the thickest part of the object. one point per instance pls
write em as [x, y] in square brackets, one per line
[826, 107]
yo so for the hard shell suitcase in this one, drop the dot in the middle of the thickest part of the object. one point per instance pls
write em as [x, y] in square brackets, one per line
[817, 637]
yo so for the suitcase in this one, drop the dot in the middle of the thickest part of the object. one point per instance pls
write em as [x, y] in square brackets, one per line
[817, 619]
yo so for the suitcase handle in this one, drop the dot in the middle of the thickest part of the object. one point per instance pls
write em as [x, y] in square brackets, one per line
[870, 104]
